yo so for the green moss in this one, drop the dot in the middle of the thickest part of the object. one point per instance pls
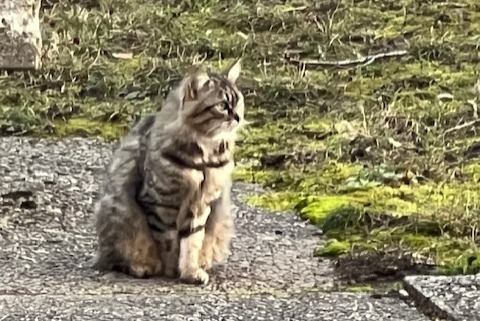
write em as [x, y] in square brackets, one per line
[320, 208]
[85, 127]
[452, 255]
[333, 248]
[247, 174]
[274, 201]
[427, 219]
[359, 288]
[443, 248]
[466, 262]
[472, 171]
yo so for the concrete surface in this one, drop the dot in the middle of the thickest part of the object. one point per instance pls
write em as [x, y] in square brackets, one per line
[47, 190]
[454, 298]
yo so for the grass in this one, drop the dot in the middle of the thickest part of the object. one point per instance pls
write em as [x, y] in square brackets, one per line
[383, 157]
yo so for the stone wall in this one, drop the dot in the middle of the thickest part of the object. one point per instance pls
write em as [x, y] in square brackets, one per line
[20, 38]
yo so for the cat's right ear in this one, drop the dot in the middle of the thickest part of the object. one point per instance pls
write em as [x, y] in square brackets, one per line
[234, 71]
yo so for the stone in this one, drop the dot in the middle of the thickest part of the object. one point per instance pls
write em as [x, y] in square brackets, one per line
[452, 298]
[20, 37]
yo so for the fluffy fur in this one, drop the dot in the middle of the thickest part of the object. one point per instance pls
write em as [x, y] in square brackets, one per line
[165, 208]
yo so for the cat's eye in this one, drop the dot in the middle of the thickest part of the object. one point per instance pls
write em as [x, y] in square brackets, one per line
[225, 105]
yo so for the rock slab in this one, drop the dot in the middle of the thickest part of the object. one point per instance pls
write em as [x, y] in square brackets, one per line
[453, 298]
[20, 38]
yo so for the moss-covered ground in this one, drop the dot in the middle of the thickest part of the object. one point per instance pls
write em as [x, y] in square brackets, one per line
[382, 155]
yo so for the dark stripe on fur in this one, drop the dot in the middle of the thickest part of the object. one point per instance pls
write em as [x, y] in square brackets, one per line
[189, 231]
[149, 203]
[159, 187]
[160, 225]
[215, 164]
[211, 118]
[204, 110]
[156, 228]
[169, 206]
[166, 192]
[226, 86]
[190, 148]
[175, 159]
[168, 245]
[222, 148]
[178, 161]
[147, 124]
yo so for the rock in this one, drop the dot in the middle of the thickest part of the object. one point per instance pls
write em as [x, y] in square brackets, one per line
[453, 298]
[20, 37]
[29, 204]
[18, 194]
[403, 293]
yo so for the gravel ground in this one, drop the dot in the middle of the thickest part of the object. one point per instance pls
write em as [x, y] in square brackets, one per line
[325, 307]
[455, 298]
[47, 190]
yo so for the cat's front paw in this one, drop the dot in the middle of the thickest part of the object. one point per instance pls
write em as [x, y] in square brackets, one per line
[198, 276]
[140, 271]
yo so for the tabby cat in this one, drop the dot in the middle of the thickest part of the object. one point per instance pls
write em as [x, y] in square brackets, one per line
[165, 207]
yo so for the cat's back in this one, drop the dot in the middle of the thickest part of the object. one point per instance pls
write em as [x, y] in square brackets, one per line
[123, 169]
[134, 141]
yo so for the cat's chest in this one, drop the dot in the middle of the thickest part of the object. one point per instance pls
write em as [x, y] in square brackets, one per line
[214, 181]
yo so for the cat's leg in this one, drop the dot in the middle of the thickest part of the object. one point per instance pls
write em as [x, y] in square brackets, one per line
[125, 241]
[219, 231]
[191, 234]
[170, 249]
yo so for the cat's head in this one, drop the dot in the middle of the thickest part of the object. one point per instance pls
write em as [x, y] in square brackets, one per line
[210, 103]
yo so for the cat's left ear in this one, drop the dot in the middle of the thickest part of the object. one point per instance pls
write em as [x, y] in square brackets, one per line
[234, 71]
[195, 85]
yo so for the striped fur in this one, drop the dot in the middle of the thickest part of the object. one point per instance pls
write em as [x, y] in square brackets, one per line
[165, 208]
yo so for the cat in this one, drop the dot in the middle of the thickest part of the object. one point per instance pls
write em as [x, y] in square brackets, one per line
[165, 206]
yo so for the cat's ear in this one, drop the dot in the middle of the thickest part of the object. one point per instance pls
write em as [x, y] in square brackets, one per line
[234, 71]
[194, 85]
